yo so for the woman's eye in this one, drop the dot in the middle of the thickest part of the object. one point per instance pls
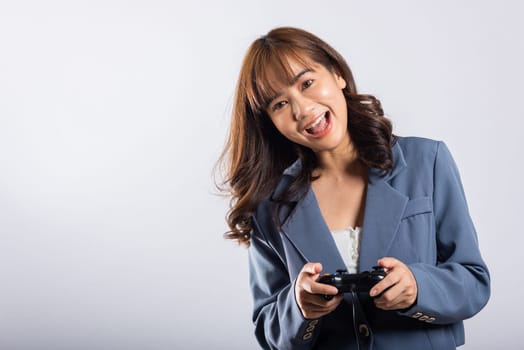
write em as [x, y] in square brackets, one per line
[307, 83]
[279, 105]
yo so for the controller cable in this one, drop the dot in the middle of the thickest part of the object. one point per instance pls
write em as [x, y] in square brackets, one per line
[363, 333]
[354, 299]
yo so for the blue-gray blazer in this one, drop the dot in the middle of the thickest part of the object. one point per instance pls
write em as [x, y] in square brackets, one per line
[417, 214]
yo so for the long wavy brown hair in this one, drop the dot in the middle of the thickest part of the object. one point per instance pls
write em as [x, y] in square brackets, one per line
[256, 154]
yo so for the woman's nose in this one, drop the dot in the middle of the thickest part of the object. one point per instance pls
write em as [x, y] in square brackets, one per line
[302, 107]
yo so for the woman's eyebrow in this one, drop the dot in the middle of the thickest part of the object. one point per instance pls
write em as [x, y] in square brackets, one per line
[301, 73]
[293, 81]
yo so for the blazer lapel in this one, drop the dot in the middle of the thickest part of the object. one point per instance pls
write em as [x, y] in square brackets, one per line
[307, 231]
[383, 212]
[384, 208]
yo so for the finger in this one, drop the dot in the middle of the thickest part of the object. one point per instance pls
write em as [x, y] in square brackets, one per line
[388, 263]
[308, 276]
[312, 268]
[313, 310]
[388, 282]
[337, 299]
[399, 296]
[319, 304]
[334, 301]
[396, 304]
[389, 298]
[396, 270]
[312, 287]
[324, 289]
[320, 299]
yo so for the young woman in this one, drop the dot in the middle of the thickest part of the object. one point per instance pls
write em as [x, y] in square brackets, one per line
[320, 183]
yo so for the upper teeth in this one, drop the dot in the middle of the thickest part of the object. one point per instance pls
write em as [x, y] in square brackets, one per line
[317, 121]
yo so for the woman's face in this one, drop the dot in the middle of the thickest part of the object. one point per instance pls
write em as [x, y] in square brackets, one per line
[312, 111]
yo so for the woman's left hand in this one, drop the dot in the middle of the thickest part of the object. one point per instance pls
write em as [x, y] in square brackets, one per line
[399, 287]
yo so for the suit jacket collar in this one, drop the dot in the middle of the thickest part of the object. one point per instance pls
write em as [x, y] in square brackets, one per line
[399, 163]
[307, 231]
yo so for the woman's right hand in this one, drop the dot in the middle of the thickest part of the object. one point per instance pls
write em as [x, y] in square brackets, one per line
[310, 294]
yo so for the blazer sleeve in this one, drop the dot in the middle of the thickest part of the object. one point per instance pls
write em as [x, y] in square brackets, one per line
[278, 321]
[458, 286]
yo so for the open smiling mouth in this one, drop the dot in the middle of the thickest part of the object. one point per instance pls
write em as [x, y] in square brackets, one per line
[320, 126]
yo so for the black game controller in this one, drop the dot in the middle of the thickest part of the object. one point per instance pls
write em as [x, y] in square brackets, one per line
[353, 282]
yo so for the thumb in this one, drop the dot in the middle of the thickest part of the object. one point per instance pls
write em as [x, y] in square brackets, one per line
[387, 262]
[312, 268]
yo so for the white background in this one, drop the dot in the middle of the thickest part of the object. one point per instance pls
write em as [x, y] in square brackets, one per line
[113, 113]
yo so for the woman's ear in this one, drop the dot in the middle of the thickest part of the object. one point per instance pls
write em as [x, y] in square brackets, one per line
[341, 82]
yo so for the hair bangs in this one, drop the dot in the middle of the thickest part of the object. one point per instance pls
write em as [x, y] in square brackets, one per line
[272, 71]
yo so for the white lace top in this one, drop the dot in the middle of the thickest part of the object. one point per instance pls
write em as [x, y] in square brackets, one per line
[348, 244]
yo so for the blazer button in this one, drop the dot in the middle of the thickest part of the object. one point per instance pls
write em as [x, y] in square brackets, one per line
[417, 314]
[363, 330]
[313, 323]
